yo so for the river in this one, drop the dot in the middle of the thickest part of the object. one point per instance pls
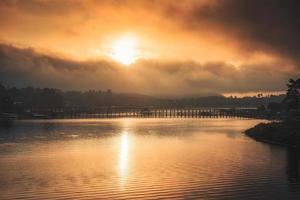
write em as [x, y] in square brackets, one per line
[143, 159]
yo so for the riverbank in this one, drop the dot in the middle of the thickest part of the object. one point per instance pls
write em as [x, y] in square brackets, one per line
[285, 133]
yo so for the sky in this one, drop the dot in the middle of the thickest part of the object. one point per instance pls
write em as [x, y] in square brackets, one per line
[154, 47]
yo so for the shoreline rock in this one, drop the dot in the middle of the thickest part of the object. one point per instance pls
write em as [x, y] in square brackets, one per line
[286, 133]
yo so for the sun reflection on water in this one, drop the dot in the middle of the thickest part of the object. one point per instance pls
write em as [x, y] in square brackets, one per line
[145, 158]
[123, 158]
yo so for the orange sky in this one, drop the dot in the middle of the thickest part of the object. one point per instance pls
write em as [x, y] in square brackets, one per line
[220, 40]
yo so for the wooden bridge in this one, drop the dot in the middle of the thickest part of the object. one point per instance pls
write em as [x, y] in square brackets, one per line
[151, 113]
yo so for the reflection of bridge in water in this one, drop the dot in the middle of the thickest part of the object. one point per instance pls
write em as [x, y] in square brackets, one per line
[152, 112]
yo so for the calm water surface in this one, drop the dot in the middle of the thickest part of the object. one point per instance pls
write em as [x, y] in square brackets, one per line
[143, 159]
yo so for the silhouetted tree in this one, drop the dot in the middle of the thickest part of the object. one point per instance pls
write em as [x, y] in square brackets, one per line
[261, 108]
[274, 107]
[6, 103]
[292, 100]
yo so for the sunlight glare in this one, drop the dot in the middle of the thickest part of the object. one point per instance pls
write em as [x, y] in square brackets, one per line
[123, 159]
[125, 50]
[123, 152]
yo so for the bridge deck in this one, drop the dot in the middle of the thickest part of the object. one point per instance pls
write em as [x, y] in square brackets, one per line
[153, 113]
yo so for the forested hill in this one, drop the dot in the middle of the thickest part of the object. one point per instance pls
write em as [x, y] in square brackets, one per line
[27, 98]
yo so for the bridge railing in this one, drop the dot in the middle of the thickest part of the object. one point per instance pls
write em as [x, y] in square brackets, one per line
[149, 112]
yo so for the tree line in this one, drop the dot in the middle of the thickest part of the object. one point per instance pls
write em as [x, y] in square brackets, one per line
[17, 100]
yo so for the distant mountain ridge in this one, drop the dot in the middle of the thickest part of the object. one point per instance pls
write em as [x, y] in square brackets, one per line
[13, 99]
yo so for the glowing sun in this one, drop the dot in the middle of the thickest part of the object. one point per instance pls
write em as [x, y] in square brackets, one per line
[124, 50]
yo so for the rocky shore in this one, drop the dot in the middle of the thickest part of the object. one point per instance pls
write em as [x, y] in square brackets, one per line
[285, 133]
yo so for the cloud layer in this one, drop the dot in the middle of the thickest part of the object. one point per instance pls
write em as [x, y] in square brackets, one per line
[224, 29]
[268, 25]
[189, 47]
[23, 67]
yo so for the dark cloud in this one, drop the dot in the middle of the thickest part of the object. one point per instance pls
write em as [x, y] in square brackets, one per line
[43, 7]
[258, 25]
[23, 67]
